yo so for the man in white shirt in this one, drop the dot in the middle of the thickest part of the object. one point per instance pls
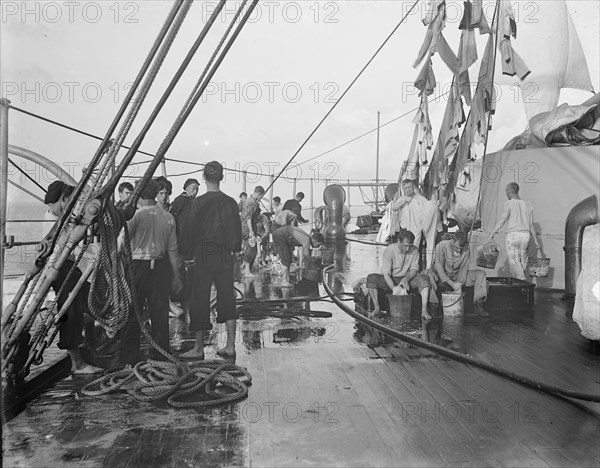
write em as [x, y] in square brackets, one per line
[155, 265]
[518, 216]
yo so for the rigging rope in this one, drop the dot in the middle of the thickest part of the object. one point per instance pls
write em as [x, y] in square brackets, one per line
[342, 96]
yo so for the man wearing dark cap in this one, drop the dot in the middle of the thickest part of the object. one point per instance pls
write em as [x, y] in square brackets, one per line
[155, 265]
[295, 206]
[212, 237]
[180, 208]
[71, 324]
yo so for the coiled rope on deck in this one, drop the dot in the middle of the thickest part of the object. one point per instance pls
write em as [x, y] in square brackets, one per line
[153, 380]
[159, 380]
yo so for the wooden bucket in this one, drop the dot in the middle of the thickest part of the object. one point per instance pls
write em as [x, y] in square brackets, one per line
[538, 267]
[400, 306]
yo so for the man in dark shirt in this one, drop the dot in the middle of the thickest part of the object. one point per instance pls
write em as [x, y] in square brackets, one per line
[295, 206]
[125, 191]
[212, 236]
[180, 208]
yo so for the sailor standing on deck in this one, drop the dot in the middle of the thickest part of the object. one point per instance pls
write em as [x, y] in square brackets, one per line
[180, 208]
[518, 215]
[71, 324]
[155, 265]
[250, 216]
[213, 236]
[295, 206]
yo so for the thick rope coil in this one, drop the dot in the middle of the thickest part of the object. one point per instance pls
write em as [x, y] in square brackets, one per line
[160, 380]
[111, 298]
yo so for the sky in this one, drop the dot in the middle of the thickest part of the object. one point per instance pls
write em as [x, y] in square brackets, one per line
[73, 61]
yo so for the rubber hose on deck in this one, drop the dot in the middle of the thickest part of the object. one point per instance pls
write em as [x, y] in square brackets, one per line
[454, 355]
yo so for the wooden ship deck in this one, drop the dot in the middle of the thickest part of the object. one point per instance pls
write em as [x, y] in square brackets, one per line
[335, 392]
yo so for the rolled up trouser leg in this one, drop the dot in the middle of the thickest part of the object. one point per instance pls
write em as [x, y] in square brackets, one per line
[478, 279]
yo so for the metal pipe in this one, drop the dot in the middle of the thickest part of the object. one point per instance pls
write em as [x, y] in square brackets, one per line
[334, 197]
[4, 103]
[46, 163]
[583, 214]
[348, 194]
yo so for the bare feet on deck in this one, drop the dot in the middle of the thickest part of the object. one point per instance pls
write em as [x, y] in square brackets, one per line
[193, 354]
[425, 315]
[86, 369]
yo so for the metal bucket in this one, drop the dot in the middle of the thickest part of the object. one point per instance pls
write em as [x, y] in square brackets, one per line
[453, 304]
[538, 267]
[400, 306]
[488, 255]
[312, 274]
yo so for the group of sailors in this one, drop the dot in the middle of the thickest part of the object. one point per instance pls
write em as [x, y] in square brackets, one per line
[209, 232]
[280, 225]
[448, 268]
[206, 233]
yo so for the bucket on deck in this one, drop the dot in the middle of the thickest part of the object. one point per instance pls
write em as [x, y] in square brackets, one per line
[400, 306]
[538, 267]
[453, 304]
[488, 255]
[312, 274]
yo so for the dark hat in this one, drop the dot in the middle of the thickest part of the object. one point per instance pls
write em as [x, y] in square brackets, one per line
[189, 182]
[55, 189]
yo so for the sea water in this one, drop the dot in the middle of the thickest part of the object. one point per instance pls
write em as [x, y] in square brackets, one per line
[18, 259]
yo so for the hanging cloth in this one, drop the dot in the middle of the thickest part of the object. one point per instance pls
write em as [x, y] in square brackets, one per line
[447, 55]
[467, 50]
[426, 80]
[435, 25]
[484, 101]
[478, 19]
[463, 75]
[512, 64]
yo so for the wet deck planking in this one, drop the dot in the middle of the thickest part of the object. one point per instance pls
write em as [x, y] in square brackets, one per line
[347, 397]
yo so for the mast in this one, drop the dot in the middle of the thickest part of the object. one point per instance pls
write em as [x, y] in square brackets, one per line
[377, 168]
